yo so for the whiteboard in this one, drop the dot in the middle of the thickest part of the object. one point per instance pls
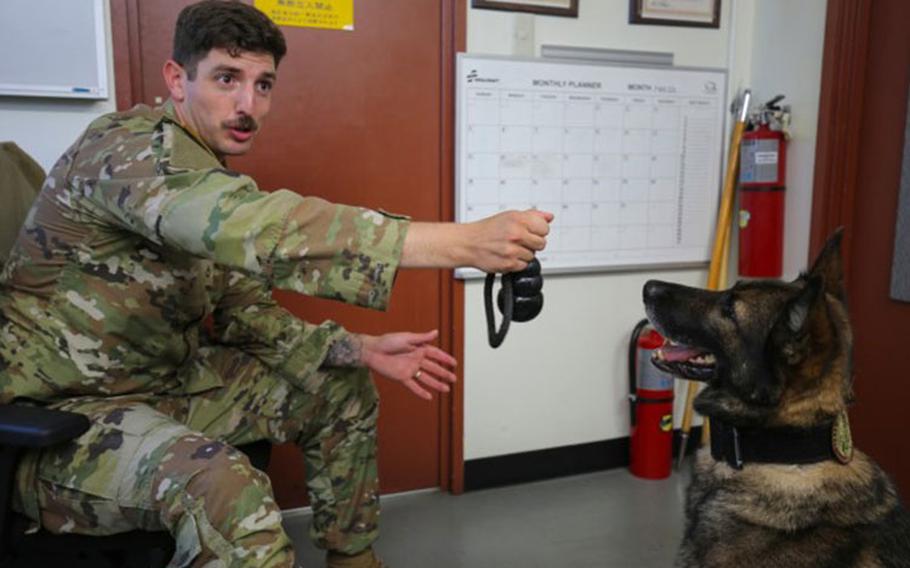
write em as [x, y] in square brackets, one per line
[53, 48]
[627, 158]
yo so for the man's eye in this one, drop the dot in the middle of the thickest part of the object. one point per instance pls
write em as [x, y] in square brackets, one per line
[224, 78]
[264, 86]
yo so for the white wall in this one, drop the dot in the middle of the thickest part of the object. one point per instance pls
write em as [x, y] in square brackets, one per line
[561, 379]
[45, 127]
[789, 37]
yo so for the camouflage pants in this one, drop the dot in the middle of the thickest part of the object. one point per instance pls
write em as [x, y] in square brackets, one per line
[167, 463]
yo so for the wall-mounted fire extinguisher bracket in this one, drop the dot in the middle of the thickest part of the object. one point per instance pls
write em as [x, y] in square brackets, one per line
[762, 183]
[651, 407]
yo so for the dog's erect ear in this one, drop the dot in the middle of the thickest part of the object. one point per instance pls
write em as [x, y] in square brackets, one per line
[829, 266]
[790, 330]
[796, 314]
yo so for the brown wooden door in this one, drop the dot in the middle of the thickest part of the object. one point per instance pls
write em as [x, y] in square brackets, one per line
[863, 115]
[358, 117]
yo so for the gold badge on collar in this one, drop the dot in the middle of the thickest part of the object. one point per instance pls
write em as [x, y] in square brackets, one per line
[841, 440]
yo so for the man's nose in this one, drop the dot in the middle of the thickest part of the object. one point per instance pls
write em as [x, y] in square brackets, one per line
[245, 98]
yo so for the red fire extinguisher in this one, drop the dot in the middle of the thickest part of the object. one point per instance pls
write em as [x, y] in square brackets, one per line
[762, 175]
[651, 400]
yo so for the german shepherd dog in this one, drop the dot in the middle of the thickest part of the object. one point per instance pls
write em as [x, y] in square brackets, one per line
[780, 485]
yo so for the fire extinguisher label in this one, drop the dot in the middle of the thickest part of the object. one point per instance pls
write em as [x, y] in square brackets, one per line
[666, 422]
[650, 377]
[744, 217]
[765, 158]
[759, 161]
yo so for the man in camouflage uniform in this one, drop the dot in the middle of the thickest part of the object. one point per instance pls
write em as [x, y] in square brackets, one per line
[139, 236]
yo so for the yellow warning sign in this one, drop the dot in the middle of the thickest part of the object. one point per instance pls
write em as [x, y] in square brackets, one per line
[328, 14]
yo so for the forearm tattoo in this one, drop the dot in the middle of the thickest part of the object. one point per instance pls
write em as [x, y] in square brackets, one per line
[345, 352]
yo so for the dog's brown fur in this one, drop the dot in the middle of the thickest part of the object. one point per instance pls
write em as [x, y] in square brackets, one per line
[783, 355]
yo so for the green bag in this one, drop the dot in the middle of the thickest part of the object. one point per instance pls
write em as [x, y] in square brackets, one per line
[20, 181]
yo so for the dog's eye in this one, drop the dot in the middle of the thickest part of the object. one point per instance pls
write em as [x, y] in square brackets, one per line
[728, 306]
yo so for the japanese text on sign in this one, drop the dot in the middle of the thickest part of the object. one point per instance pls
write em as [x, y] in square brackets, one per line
[328, 14]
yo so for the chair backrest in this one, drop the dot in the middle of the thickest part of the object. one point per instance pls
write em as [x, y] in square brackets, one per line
[20, 181]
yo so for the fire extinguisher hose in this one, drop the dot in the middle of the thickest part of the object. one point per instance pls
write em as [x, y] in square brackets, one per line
[633, 367]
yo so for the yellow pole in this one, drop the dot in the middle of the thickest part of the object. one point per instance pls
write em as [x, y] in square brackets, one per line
[725, 258]
[720, 251]
[724, 270]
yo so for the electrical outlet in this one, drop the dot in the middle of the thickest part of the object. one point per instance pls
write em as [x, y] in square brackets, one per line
[523, 35]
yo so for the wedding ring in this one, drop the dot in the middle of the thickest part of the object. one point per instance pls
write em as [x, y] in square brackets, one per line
[417, 374]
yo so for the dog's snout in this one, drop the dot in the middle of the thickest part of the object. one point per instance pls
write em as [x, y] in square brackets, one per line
[653, 290]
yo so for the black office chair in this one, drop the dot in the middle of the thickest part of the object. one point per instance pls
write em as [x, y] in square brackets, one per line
[26, 427]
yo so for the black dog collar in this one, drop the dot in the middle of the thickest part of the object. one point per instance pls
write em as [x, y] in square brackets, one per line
[738, 446]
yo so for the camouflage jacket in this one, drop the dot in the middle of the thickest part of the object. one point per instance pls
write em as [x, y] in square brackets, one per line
[139, 234]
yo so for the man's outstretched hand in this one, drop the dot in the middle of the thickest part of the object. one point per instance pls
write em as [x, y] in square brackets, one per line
[504, 242]
[507, 242]
[410, 359]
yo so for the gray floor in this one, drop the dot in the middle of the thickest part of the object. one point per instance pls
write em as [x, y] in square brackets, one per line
[607, 519]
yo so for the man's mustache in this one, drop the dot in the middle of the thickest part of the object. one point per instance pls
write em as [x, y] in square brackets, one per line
[245, 123]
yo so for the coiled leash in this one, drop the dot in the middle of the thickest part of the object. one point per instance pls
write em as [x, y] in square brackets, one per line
[519, 299]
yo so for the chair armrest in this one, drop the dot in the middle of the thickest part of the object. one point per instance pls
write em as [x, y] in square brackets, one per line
[23, 427]
[37, 427]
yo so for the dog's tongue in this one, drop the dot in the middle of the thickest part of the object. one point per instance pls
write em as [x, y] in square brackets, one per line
[675, 353]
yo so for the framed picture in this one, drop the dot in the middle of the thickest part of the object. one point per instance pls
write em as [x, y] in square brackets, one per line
[690, 13]
[568, 8]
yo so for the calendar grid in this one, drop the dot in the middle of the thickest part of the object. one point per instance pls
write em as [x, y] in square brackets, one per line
[632, 177]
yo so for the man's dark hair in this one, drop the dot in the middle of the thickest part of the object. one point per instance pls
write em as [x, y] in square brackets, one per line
[224, 24]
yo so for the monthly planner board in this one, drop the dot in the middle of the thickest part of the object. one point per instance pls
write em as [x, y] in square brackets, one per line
[627, 158]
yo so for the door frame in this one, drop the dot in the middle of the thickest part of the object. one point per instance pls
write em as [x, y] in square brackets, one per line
[125, 40]
[840, 118]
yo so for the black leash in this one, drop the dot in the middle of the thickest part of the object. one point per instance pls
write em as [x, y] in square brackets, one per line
[520, 299]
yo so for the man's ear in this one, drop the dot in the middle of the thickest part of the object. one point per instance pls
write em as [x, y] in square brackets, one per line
[829, 267]
[790, 333]
[175, 77]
